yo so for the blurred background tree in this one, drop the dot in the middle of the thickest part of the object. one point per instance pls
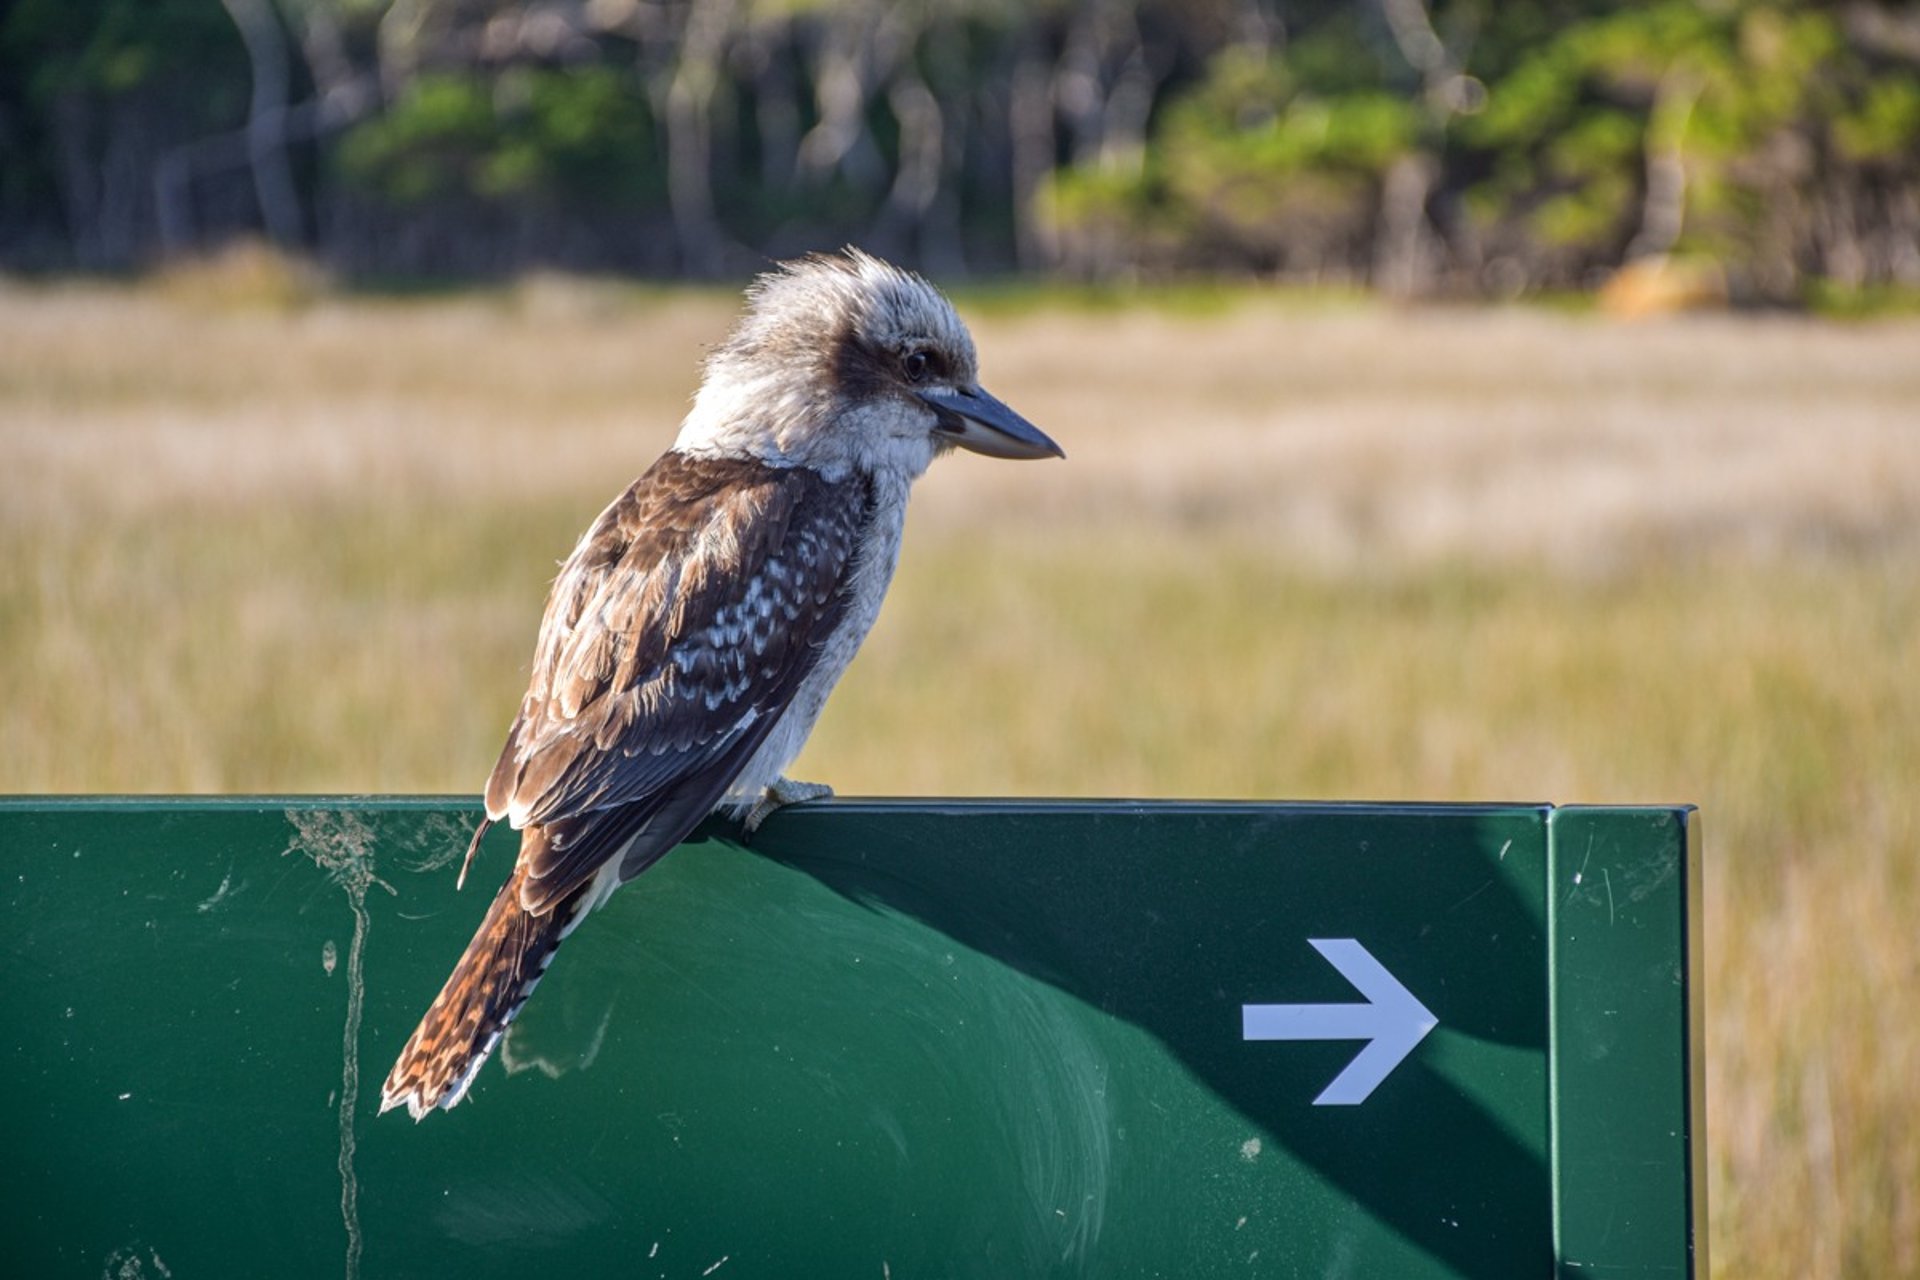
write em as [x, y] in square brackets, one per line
[1415, 146]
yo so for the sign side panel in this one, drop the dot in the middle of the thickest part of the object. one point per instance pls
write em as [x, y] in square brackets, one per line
[1627, 1124]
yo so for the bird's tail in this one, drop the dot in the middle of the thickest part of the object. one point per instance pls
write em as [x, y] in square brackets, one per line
[502, 965]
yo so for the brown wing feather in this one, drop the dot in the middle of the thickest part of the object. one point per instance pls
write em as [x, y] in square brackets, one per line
[674, 636]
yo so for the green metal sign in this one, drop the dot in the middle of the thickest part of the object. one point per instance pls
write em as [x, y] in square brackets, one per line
[889, 1039]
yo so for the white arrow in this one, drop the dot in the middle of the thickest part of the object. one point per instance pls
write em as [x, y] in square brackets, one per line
[1392, 1019]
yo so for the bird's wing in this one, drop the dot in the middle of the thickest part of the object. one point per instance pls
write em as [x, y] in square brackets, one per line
[675, 636]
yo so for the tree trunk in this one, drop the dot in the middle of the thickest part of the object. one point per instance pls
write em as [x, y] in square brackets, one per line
[1403, 260]
[1663, 210]
[776, 108]
[840, 142]
[267, 119]
[690, 137]
[79, 181]
[1032, 142]
[916, 180]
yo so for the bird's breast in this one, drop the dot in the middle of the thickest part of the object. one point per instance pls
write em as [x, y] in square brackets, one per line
[870, 572]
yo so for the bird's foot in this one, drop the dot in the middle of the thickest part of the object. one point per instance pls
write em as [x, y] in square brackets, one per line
[783, 792]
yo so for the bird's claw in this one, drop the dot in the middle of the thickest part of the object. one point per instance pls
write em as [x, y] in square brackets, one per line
[780, 794]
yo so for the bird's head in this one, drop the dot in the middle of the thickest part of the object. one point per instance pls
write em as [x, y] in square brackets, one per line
[844, 362]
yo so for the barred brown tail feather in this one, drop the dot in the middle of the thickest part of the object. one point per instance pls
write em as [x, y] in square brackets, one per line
[499, 970]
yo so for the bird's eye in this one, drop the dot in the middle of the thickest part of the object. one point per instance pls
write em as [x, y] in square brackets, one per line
[916, 365]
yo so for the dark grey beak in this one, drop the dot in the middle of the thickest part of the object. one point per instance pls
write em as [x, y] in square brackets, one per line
[975, 420]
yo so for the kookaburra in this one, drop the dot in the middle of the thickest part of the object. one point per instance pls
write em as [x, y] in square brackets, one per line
[694, 634]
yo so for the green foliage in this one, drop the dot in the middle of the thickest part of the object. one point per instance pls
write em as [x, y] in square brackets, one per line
[1750, 99]
[527, 134]
[1751, 109]
[1249, 167]
[1885, 124]
[430, 143]
[82, 78]
[1531, 144]
[118, 47]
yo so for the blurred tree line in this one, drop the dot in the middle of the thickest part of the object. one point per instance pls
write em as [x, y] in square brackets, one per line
[1416, 146]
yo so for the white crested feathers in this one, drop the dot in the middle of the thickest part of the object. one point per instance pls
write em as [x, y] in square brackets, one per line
[779, 390]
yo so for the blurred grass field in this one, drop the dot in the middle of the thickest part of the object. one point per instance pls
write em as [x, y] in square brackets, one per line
[1300, 550]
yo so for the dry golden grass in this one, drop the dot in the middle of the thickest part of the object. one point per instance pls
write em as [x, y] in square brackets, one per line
[1297, 552]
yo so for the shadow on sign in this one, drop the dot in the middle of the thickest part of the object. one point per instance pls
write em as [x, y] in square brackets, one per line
[1173, 920]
